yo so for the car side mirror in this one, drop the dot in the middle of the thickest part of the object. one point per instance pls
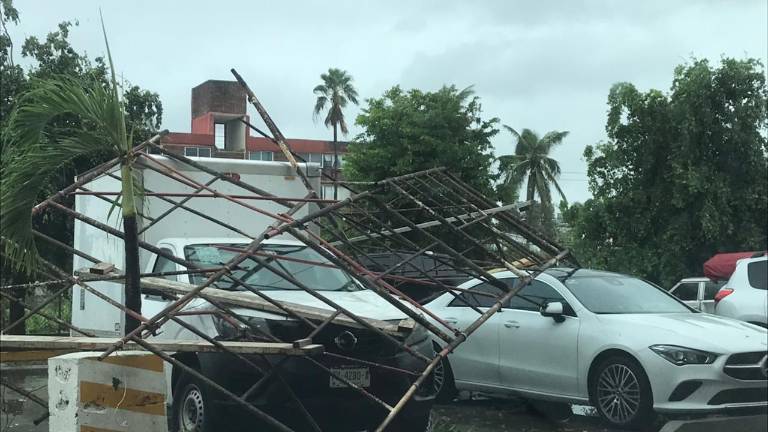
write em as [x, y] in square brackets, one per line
[553, 310]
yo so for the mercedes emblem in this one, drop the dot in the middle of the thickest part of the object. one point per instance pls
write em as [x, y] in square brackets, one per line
[346, 341]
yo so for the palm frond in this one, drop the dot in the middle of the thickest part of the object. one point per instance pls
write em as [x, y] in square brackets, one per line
[523, 145]
[116, 111]
[319, 106]
[466, 92]
[552, 179]
[51, 98]
[552, 166]
[25, 173]
[335, 92]
[320, 89]
[553, 138]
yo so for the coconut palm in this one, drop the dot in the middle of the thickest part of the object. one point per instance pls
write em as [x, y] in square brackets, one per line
[334, 94]
[531, 162]
[31, 157]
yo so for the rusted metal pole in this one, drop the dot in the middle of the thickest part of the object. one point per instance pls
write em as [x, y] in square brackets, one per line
[92, 174]
[278, 136]
[271, 421]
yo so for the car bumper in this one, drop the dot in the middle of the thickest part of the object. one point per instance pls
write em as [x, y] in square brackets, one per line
[700, 388]
[338, 409]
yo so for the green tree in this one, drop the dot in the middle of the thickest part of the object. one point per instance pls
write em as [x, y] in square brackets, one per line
[683, 175]
[33, 156]
[416, 130]
[51, 58]
[531, 164]
[334, 94]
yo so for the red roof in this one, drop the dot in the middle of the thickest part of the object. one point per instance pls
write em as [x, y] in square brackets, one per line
[721, 266]
[298, 145]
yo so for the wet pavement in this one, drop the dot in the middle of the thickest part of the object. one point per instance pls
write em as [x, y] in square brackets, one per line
[18, 413]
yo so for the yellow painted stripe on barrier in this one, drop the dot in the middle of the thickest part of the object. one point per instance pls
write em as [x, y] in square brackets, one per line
[27, 356]
[84, 428]
[148, 362]
[105, 395]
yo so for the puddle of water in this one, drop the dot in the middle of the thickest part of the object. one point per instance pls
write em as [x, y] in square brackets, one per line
[17, 413]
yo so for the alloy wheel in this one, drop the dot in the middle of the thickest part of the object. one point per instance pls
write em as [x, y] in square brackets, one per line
[192, 413]
[618, 393]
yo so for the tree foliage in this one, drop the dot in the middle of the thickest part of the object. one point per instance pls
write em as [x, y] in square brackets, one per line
[416, 130]
[64, 134]
[531, 165]
[334, 94]
[683, 174]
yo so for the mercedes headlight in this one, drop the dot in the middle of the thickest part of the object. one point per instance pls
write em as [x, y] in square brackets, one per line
[683, 356]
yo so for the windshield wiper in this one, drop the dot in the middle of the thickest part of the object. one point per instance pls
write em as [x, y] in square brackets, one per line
[568, 274]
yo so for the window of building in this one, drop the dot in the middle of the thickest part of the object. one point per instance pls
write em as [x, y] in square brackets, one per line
[328, 160]
[341, 159]
[261, 155]
[327, 191]
[312, 157]
[219, 135]
[197, 152]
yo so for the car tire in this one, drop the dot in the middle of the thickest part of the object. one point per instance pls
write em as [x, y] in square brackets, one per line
[193, 409]
[414, 424]
[442, 379]
[621, 393]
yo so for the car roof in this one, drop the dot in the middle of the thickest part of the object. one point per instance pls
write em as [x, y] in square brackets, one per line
[696, 279]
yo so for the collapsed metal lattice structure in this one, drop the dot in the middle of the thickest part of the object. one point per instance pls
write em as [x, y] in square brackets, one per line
[429, 214]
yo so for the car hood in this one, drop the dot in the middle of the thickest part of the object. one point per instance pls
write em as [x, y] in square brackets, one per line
[694, 330]
[363, 303]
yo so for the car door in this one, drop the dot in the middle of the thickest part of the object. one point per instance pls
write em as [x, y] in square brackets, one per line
[708, 291]
[536, 352]
[688, 293]
[477, 359]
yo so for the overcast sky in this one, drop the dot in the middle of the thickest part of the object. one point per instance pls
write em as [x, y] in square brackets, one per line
[544, 65]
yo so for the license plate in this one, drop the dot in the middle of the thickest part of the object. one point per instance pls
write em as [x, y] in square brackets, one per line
[359, 376]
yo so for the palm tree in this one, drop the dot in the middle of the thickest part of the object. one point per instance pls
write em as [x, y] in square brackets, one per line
[531, 161]
[334, 93]
[31, 157]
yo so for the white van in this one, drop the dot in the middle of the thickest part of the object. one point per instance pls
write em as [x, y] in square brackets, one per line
[195, 408]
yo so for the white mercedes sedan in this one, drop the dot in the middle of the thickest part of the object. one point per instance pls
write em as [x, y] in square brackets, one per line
[616, 342]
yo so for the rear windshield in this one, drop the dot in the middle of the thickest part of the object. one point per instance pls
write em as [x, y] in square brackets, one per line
[758, 274]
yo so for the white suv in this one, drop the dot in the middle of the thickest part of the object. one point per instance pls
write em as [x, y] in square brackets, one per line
[745, 296]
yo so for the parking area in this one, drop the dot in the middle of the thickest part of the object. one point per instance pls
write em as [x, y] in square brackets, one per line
[472, 414]
[476, 415]
[488, 415]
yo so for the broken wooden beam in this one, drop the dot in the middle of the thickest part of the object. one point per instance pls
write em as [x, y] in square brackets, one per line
[12, 343]
[248, 300]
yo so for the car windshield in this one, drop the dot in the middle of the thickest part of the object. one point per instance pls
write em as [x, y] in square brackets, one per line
[617, 294]
[299, 261]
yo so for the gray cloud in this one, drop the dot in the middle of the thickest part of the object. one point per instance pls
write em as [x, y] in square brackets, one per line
[538, 64]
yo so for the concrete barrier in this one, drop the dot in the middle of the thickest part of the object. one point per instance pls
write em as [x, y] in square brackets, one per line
[755, 423]
[124, 392]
